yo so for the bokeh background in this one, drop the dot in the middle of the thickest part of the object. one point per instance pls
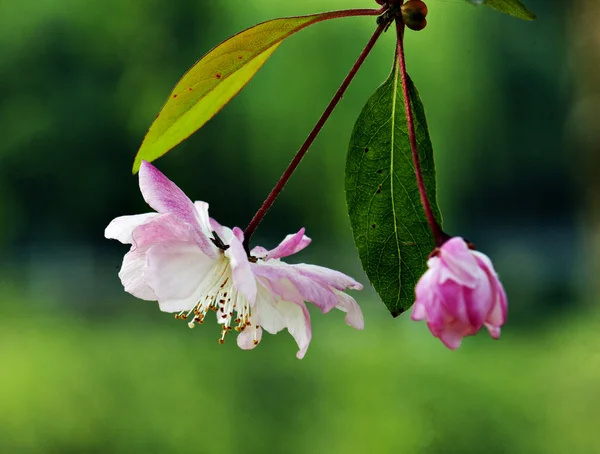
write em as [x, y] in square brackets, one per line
[85, 368]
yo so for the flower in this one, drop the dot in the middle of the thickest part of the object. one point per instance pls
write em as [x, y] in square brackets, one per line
[460, 293]
[191, 264]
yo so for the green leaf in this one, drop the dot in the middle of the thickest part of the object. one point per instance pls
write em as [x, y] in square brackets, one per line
[388, 221]
[515, 8]
[214, 80]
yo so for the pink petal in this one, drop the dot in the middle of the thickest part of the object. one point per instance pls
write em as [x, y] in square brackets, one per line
[243, 278]
[497, 313]
[310, 290]
[122, 227]
[458, 263]
[239, 234]
[259, 252]
[216, 227]
[290, 245]
[451, 339]
[165, 227]
[326, 276]
[454, 302]
[354, 315]
[165, 197]
[479, 301]
[280, 288]
[426, 287]
[419, 312]
[493, 330]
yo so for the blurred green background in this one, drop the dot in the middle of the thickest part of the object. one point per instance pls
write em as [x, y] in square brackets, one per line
[86, 368]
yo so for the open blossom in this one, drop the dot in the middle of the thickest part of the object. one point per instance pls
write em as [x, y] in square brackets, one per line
[460, 293]
[191, 265]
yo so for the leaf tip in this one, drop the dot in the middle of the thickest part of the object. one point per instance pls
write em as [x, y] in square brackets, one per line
[397, 312]
[136, 164]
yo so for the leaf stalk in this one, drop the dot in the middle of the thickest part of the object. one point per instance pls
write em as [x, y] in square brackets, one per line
[262, 211]
[438, 234]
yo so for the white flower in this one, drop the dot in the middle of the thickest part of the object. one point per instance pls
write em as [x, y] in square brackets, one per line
[191, 265]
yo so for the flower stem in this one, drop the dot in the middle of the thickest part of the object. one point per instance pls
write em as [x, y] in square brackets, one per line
[310, 139]
[438, 234]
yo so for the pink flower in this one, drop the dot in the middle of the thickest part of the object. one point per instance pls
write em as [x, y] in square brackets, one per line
[460, 293]
[190, 264]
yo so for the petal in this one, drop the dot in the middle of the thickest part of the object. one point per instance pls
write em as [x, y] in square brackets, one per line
[216, 227]
[493, 330]
[132, 275]
[239, 234]
[203, 218]
[419, 312]
[478, 303]
[175, 270]
[451, 339]
[484, 262]
[122, 227]
[274, 314]
[297, 321]
[281, 288]
[165, 227]
[290, 245]
[280, 273]
[454, 301]
[425, 288]
[250, 337]
[243, 278]
[259, 252]
[165, 197]
[459, 264]
[266, 312]
[496, 316]
[349, 305]
[326, 276]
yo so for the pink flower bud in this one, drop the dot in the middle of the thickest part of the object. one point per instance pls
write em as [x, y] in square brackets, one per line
[460, 293]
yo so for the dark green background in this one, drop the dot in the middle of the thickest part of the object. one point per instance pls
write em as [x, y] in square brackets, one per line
[86, 368]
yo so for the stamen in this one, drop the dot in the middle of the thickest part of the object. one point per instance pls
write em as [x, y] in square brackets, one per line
[220, 297]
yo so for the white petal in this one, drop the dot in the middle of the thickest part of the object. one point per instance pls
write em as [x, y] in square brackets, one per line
[132, 275]
[273, 314]
[266, 312]
[243, 278]
[203, 218]
[347, 304]
[121, 228]
[297, 320]
[250, 337]
[175, 270]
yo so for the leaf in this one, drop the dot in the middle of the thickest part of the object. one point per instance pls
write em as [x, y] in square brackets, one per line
[214, 80]
[515, 8]
[388, 221]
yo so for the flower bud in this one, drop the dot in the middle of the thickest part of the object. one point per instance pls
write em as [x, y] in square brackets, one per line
[414, 13]
[460, 293]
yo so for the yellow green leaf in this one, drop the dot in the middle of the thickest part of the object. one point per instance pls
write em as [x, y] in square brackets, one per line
[214, 80]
